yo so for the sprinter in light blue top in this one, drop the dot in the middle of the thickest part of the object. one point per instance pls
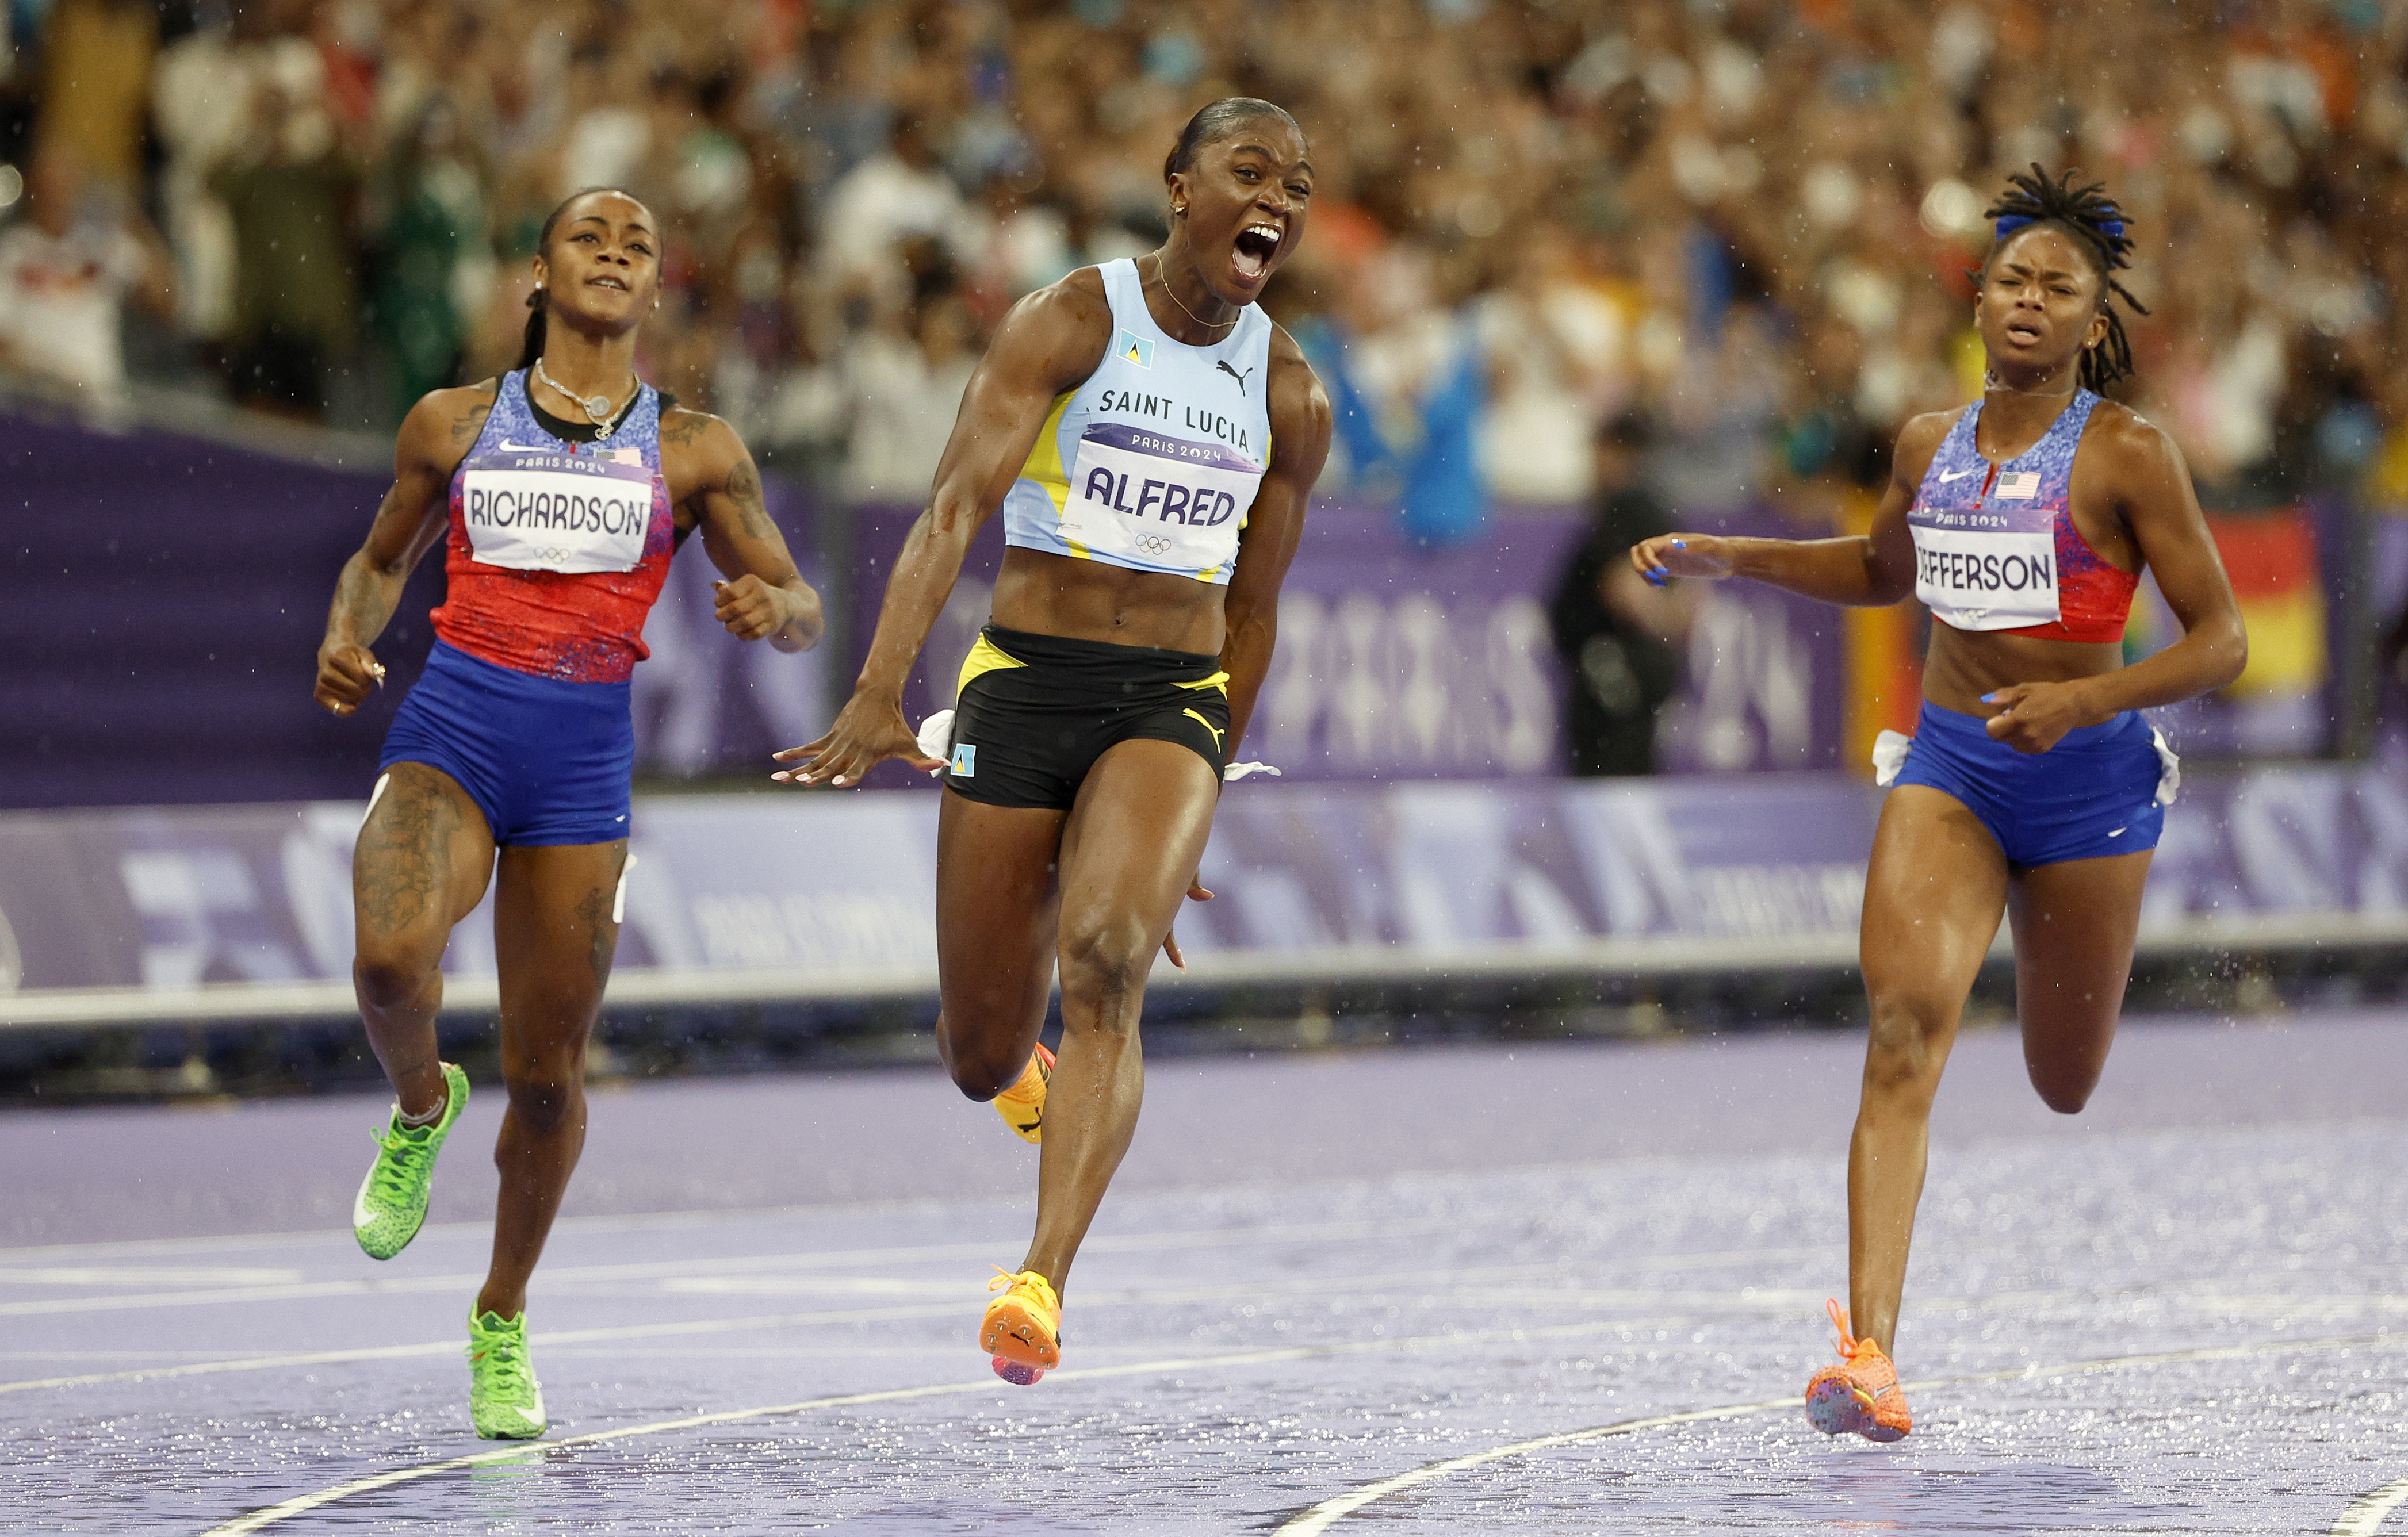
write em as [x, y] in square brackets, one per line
[1150, 440]
[1151, 464]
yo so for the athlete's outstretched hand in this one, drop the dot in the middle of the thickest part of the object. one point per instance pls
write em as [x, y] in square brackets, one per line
[1196, 892]
[1668, 555]
[870, 730]
[2035, 717]
[346, 673]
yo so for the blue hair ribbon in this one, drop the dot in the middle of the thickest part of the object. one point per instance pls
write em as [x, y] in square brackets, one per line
[2009, 223]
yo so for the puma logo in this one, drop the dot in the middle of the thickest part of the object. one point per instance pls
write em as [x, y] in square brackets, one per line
[1225, 368]
[1217, 733]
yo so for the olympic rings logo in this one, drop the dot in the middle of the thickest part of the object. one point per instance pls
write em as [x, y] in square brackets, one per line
[1153, 544]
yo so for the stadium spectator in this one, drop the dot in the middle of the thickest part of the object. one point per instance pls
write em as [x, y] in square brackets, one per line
[1730, 216]
[66, 267]
[1619, 638]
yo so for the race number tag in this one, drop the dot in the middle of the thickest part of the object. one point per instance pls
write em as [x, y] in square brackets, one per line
[1158, 503]
[1987, 578]
[547, 511]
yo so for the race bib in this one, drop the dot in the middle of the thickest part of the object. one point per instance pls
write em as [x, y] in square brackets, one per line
[1987, 578]
[1158, 503]
[546, 511]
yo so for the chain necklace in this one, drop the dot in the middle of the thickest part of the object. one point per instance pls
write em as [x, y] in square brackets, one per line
[1208, 325]
[598, 408]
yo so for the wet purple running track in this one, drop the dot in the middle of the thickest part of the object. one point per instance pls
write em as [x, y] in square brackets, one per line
[1567, 1288]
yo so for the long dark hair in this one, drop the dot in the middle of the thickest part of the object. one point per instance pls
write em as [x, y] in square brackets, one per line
[2096, 225]
[537, 301]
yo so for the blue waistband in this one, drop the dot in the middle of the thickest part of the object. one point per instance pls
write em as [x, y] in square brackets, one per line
[510, 684]
[1968, 729]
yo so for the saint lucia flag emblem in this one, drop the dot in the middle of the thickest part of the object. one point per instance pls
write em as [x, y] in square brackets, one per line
[1135, 349]
[965, 763]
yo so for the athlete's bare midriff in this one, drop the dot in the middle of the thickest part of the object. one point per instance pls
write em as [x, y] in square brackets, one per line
[1051, 594]
[1962, 666]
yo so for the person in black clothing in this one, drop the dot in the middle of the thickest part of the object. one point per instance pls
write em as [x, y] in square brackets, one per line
[1618, 637]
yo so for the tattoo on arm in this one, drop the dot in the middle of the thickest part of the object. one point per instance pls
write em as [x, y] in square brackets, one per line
[688, 426]
[744, 490]
[468, 423]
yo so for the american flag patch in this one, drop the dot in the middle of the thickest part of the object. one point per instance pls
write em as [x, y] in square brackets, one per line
[2022, 486]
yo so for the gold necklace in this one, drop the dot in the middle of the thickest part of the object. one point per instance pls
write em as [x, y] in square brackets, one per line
[1208, 325]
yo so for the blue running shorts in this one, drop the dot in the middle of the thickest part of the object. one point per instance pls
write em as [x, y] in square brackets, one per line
[2102, 789]
[547, 761]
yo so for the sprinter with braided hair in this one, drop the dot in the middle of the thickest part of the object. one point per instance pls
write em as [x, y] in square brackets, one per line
[2032, 787]
[2096, 225]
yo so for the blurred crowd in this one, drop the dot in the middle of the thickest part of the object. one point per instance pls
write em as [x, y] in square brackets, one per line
[1744, 222]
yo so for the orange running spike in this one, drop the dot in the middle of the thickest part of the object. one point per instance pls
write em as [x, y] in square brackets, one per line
[1861, 1394]
[1023, 1328]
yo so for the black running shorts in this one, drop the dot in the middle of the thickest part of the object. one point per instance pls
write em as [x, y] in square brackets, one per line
[1037, 711]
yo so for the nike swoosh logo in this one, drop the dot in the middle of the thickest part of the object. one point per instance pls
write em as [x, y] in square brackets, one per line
[361, 1216]
[1945, 478]
[2117, 833]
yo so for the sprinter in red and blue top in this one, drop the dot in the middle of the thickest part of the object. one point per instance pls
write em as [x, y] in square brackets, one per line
[2032, 787]
[562, 489]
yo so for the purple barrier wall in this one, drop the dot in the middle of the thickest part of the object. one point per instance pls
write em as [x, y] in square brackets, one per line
[814, 886]
[161, 598]
[1401, 662]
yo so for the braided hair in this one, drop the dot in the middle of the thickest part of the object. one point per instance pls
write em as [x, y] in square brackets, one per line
[2097, 227]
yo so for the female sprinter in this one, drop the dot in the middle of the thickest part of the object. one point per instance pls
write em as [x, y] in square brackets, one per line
[565, 487]
[1151, 437]
[2032, 785]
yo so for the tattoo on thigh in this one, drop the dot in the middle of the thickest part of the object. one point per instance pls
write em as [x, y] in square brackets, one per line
[593, 911]
[404, 853]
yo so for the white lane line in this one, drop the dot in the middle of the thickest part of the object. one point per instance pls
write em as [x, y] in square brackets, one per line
[2365, 1518]
[1326, 1290]
[447, 1348]
[1199, 1238]
[149, 1275]
[1320, 1518]
[259, 1519]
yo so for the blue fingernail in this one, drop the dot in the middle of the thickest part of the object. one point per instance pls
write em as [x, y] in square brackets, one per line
[1989, 699]
[1680, 544]
[1655, 579]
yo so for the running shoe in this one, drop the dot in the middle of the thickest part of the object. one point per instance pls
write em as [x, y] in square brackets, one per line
[391, 1203]
[1861, 1394]
[1023, 1105]
[504, 1401]
[1023, 1328]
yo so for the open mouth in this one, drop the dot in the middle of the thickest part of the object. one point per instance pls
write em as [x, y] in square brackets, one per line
[2027, 335]
[1257, 244]
[605, 280]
